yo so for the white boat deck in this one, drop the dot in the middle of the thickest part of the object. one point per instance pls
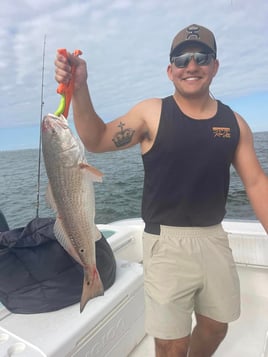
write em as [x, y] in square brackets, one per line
[247, 337]
[112, 325]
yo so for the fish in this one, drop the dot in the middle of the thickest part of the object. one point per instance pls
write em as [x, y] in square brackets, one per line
[70, 194]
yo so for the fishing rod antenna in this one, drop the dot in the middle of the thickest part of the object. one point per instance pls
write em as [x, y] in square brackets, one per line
[40, 130]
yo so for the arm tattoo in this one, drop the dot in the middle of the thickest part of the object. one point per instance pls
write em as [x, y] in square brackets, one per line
[123, 137]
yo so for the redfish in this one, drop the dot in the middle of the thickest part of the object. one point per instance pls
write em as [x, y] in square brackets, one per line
[71, 195]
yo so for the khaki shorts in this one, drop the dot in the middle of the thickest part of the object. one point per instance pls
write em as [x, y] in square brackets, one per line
[186, 270]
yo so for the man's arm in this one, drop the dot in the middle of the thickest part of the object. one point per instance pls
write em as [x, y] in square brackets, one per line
[252, 175]
[97, 136]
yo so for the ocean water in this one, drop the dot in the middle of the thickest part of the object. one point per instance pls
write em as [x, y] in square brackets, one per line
[117, 197]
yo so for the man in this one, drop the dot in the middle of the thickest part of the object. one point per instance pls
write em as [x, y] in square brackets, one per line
[188, 142]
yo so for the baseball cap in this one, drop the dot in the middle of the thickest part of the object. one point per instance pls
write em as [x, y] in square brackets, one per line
[193, 34]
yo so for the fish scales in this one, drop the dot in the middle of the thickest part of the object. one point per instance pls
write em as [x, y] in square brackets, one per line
[71, 195]
[74, 206]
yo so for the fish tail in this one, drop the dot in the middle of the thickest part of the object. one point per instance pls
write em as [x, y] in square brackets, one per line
[92, 286]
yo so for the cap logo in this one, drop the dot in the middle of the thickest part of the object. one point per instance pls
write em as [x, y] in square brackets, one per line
[193, 33]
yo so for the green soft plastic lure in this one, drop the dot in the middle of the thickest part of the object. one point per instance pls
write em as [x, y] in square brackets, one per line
[66, 90]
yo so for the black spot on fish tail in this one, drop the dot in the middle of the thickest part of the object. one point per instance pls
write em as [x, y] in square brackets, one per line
[92, 286]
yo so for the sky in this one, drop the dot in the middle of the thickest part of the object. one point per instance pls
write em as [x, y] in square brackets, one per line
[126, 45]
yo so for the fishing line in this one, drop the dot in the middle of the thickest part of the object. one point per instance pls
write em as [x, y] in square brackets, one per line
[40, 131]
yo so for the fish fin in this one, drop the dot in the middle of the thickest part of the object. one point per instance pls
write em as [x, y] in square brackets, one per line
[64, 240]
[98, 234]
[92, 285]
[94, 173]
[50, 198]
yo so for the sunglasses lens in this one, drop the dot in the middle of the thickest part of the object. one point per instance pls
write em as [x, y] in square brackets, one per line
[182, 60]
[202, 59]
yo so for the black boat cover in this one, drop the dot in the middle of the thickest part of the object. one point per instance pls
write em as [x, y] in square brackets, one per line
[38, 275]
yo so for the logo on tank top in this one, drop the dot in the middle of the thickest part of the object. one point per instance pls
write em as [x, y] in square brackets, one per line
[220, 132]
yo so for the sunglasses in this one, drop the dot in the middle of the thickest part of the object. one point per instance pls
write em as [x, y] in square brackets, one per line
[202, 59]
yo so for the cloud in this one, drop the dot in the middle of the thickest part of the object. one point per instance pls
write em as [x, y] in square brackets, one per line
[126, 45]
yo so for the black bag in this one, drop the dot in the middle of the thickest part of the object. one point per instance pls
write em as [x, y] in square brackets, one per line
[38, 275]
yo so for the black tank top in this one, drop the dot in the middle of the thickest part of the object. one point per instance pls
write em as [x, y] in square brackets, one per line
[186, 171]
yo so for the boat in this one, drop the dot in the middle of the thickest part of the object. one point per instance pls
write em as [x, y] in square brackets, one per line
[113, 325]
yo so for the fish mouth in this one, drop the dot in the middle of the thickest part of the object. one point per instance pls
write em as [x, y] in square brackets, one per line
[52, 122]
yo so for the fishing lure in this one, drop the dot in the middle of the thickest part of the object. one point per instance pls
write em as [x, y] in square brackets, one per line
[66, 89]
